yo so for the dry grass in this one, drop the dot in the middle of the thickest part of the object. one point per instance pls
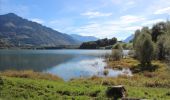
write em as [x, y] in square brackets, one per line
[123, 63]
[29, 74]
[143, 78]
[138, 80]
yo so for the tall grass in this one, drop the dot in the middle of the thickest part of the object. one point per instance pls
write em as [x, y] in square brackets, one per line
[29, 74]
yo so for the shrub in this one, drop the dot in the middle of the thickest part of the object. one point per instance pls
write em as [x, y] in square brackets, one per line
[105, 72]
[116, 54]
[131, 53]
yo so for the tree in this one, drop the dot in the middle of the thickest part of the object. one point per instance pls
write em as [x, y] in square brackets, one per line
[163, 44]
[163, 41]
[117, 52]
[158, 29]
[160, 34]
[98, 44]
[144, 49]
[168, 27]
[112, 41]
[137, 33]
[146, 30]
[167, 47]
[88, 45]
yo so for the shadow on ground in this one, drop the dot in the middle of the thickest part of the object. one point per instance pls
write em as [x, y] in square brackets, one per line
[139, 68]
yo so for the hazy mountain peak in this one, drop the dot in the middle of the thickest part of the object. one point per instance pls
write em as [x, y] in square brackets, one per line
[83, 38]
[11, 14]
[129, 38]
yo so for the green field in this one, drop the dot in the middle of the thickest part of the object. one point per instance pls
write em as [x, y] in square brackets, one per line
[31, 89]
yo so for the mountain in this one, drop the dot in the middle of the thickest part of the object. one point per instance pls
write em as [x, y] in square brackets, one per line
[83, 38]
[16, 31]
[128, 39]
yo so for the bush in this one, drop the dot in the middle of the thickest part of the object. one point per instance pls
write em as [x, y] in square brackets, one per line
[131, 53]
[116, 54]
[105, 72]
[117, 46]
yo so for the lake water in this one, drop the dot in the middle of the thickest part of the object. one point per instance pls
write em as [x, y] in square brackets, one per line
[66, 64]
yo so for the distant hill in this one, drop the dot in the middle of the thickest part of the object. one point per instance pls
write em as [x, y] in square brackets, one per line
[129, 38]
[83, 38]
[16, 31]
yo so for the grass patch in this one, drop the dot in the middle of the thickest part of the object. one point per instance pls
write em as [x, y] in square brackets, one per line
[123, 63]
[156, 75]
[22, 88]
[148, 93]
[12, 88]
[29, 74]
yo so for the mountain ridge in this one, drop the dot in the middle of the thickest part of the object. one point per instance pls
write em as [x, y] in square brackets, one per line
[129, 38]
[83, 38]
[17, 31]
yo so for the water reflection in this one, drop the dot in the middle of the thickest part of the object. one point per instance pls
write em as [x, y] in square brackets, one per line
[36, 62]
[66, 64]
[81, 66]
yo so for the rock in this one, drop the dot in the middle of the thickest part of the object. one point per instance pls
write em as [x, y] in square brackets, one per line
[116, 92]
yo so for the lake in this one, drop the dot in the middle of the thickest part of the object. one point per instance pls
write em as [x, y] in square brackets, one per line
[66, 64]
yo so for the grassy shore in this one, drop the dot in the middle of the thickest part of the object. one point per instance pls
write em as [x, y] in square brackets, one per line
[12, 88]
[149, 84]
[156, 75]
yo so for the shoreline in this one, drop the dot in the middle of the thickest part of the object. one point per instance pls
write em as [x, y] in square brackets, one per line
[143, 84]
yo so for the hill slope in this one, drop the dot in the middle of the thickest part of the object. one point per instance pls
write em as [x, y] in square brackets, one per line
[16, 31]
[83, 38]
[128, 39]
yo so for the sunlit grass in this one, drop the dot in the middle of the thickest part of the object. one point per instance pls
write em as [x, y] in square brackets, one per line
[22, 88]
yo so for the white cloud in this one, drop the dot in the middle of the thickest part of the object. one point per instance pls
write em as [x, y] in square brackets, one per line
[130, 3]
[120, 28]
[163, 11]
[102, 30]
[125, 25]
[151, 22]
[131, 19]
[121, 2]
[132, 28]
[111, 28]
[94, 14]
[124, 5]
[40, 21]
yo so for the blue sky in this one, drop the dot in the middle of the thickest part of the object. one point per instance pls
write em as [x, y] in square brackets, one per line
[99, 18]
